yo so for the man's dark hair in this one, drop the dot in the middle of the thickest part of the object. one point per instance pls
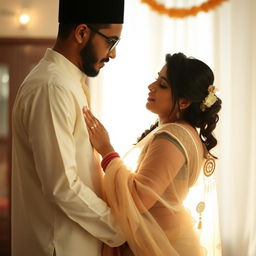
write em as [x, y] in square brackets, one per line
[66, 29]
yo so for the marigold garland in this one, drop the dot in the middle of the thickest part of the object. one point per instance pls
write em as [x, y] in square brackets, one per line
[183, 12]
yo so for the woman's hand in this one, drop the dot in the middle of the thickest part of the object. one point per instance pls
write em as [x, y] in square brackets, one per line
[98, 134]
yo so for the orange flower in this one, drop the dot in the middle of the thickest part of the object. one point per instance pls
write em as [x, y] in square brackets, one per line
[183, 12]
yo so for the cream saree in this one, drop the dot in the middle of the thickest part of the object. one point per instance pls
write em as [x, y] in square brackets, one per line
[159, 207]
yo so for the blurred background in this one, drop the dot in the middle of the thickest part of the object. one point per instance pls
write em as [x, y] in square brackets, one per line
[224, 38]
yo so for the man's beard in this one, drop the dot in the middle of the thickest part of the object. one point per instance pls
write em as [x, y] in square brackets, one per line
[89, 59]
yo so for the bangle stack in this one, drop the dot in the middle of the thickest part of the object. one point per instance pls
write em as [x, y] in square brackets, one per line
[106, 160]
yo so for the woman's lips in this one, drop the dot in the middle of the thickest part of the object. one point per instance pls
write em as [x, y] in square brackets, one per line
[150, 99]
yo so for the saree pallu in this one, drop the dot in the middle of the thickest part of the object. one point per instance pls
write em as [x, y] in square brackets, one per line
[159, 207]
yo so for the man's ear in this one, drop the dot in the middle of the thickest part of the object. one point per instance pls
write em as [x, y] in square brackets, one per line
[184, 103]
[82, 33]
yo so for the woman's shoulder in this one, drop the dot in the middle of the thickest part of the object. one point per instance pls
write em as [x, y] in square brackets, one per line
[181, 129]
[183, 132]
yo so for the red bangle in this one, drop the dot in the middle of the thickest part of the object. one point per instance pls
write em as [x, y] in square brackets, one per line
[106, 160]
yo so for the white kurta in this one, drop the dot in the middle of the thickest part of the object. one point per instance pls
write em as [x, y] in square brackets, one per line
[53, 168]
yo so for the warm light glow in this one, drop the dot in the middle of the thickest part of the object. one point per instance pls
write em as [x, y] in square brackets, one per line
[131, 159]
[24, 19]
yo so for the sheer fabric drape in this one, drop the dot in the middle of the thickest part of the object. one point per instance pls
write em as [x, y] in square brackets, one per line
[148, 203]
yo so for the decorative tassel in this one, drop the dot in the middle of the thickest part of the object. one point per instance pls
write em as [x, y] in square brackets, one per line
[200, 208]
[200, 223]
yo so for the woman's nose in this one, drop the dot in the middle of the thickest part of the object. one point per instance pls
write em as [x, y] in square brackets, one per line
[151, 87]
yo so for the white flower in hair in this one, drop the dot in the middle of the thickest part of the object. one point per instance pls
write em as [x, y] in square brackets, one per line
[210, 99]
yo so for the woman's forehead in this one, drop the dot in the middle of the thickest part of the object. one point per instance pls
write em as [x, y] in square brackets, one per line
[163, 71]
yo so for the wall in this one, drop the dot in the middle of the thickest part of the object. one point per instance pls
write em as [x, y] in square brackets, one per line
[44, 18]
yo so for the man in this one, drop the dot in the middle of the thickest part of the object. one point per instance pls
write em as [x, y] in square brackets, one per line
[56, 204]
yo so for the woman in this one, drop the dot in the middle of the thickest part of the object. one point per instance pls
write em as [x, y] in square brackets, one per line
[149, 203]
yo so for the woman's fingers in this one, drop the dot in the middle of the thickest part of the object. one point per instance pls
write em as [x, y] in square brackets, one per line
[98, 134]
[88, 115]
[89, 119]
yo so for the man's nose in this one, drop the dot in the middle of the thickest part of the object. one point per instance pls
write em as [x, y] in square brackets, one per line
[112, 53]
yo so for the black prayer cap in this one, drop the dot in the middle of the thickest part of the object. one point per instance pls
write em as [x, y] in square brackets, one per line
[91, 11]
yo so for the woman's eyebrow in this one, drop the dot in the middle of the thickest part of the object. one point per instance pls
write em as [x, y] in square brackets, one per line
[162, 77]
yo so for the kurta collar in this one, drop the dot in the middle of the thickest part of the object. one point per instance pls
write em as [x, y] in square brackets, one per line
[64, 63]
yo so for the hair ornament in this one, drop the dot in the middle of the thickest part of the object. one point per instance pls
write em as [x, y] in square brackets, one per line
[210, 99]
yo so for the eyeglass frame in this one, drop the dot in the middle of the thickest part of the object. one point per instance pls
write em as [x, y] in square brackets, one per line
[111, 41]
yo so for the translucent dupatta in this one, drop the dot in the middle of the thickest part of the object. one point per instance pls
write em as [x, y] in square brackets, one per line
[160, 207]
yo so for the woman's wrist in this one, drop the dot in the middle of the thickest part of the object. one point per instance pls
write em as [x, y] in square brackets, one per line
[106, 150]
[108, 158]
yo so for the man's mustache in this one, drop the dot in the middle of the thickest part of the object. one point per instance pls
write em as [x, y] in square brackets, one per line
[105, 60]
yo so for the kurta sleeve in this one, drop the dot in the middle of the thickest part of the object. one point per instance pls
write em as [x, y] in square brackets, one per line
[161, 163]
[50, 117]
[158, 169]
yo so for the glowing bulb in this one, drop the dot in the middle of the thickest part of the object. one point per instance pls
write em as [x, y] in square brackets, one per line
[24, 19]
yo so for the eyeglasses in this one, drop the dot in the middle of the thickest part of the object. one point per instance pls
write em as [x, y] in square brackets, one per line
[113, 42]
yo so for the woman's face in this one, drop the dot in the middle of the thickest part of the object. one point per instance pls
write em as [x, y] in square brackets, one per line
[160, 97]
